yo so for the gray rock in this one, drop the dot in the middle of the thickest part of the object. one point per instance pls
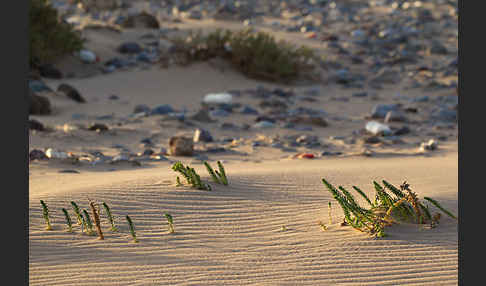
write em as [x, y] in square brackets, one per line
[445, 114]
[263, 124]
[162, 110]
[129, 48]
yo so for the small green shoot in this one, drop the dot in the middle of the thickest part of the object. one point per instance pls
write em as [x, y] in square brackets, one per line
[191, 176]
[170, 222]
[87, 223]
[178, 182]
[284, 228]
[110, 217]
[77, 212]
[68, 220]
[330, 214]
[322, 225]
[45, 214]
[222, 173]
[132, 229]
[435, 203]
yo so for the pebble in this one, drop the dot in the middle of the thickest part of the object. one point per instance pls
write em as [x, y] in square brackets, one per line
[87, 57]
[129, 48]
[395, 116]
[141, 108]
[70, 92]
[249, 110]
[98, 127]
[377, 128]
[38, 104]
[162, 110]
[428, 146]
[53, 154]
[218, 98]
[36, 125]
[37, 155]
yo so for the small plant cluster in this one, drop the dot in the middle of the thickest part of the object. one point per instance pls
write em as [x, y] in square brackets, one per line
[256, 54]
[193, 179]
[50, 37]
[86, 224]
[386, 209]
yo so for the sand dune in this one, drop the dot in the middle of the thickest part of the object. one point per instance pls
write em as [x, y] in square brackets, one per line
[233, 235]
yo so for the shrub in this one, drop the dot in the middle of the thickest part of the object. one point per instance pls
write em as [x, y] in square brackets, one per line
[385, 210]
[256, 54]
[50, 37]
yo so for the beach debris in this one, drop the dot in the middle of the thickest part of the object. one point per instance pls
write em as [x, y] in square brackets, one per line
[96, 218]
[202, 135]
[304, 156]
[428, 146]
[218, 98]
[378, 128]
[70, 92]
[53, 154]
[181, 146]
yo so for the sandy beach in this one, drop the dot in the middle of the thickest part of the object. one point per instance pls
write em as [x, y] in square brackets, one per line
[261, 229]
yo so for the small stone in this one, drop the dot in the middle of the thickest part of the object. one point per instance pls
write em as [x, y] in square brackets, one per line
[87, 57]
[129, 48]
[377, 128]
[219, 113]
[36, 125]
[445, 114]
[372, 140]
[141, 108]
[395, 116]
[50, 71]
[202, 135]
[401, 131]
[360, 94]
[162, 110]
[39, 105]
[37, 155]
[202, 116]
[98, 127]
[181, 146]
[70, 92]
[148, 152]
[249, 110]
[69, 171]
[114, 97]
[428, 146]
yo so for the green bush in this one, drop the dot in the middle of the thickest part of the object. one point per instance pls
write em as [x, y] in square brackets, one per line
[256, 54]
[50, 38]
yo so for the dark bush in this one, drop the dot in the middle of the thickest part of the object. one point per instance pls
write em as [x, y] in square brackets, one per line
[50, 37]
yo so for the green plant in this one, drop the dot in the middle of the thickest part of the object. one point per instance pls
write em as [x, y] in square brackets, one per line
[45, 214]
[322, 225]
[77, 212]
[170, 222]
[50, 37]
[256, 54]
[88, 225]
[218, 177]
[132, 228]
[178, 182]
[68, 220]
[191, 176]
[110, 217]
[330, 213]
[403, 206]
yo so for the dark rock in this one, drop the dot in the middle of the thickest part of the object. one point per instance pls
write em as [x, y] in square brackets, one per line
[141, 108]
[410, 109]
[98, 127]
[313, 120]
[360, 94]
[219, 113]
[265, 118]
[70, 92]
[395, 116]
[144, 20]
[69, 171]
[181, 146]
[328, 153]
[273, 103]
[129, 48]
[249, 110]
[371, 140]
[162, 110]
[37, 155]
[402, 131]
[50, 71]
[202, 135]
[36, 125]
[113, 97]
[148, 152]
[39, 105]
